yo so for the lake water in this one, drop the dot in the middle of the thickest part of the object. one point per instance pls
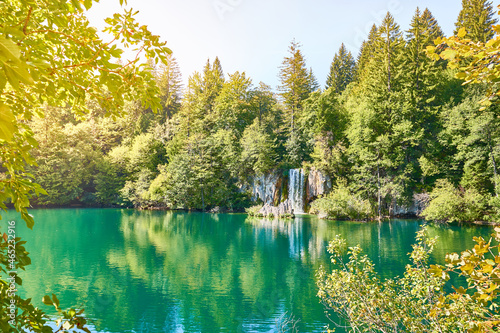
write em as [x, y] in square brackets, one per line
[137, 271]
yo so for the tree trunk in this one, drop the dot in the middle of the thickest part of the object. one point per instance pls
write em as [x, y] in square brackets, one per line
[493, 161]
[202, 200]
[379, 195]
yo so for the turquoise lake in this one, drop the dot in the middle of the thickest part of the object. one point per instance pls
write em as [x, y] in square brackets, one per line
[142, 271]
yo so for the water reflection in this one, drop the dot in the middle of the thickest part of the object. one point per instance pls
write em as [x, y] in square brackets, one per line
[192, 272]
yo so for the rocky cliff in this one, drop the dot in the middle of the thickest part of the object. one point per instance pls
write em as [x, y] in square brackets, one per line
[297, 187]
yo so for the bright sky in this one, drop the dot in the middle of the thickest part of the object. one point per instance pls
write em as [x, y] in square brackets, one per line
[253, 35]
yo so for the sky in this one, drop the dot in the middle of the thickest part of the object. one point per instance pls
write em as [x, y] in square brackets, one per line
[253, 36]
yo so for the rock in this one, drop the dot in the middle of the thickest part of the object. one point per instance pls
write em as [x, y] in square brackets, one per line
[215, 210]
[299, 187]
[264, 188]
[284, 209]
[317, 184]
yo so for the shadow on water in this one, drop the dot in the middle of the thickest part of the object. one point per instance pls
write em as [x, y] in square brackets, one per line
[141, 271]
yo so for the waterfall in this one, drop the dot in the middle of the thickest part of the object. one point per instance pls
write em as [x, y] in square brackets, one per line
[296, 188]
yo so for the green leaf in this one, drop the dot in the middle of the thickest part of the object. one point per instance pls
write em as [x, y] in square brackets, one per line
[7, 128]
[14, 32]
[56, 301]
[46, 300]
[30, 222]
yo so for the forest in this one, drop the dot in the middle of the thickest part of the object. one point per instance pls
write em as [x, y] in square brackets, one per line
[389, 126]
[412, 118]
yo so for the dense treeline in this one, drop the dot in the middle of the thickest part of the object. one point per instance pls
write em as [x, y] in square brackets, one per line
[389, 125]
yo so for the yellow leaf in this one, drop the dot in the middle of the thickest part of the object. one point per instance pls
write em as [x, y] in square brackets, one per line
[468, 268]
[9, 50]
[491, 288]
[7, 128]
[491, 42]
[487, 269]
[16, 74]
[449, 54]
[462, 32]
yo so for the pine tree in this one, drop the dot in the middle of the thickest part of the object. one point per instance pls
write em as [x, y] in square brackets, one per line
[476, 17]
[169, 80]
[388, 46]
[431, 25]
[199, 100]
[421, 71]
[295, 83]
[342, 70]
[213, 80]
[313, 82]
[378, 128]
[366, 53]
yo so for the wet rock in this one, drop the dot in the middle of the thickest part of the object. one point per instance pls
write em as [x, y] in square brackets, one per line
[283, 210]
[264, 188]
[317, 184]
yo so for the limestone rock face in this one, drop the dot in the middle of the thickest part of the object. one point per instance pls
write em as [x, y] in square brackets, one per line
[317, 184]
[298, 188]
[419, 203]
[265, 188]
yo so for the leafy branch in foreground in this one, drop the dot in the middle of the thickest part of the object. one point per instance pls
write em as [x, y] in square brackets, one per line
[476, 61]
[417, 301]
[51, 56]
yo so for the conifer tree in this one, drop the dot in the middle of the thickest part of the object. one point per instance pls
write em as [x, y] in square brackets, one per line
[200, 96]
[342, 70]
[295, 83]
[313, 82]
[366, 53]
[476, 17]
[213, 80]
[169, 80]
[421, 71]
[378, 128]
[388, 46]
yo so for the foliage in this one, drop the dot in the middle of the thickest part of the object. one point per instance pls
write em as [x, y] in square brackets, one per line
[342, 204]
[51, 57]
[254, 210]
[417, 301]
[295, 83]
[448, 204]
[35, 74]
[342, 70]
[476, 17]
[477, 61]
[258, 150]
[108, 181]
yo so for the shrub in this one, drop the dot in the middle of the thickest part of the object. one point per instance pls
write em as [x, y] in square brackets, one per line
[417, 301]
[254, 210]
[342, 204]
[444, 204]
[448, 204]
